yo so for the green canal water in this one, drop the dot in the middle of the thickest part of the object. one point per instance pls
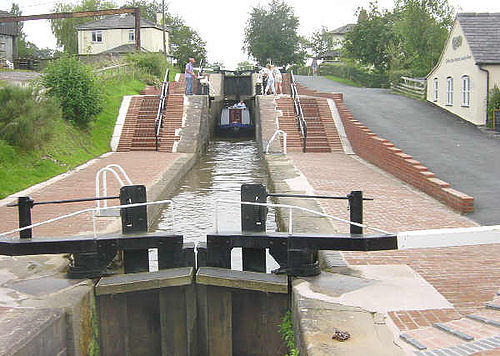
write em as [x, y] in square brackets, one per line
[218, 175]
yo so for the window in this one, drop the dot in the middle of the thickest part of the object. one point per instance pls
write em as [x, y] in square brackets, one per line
[436, 87]
[131, 35]
[449, 91]
[96, 36]
[465, 90]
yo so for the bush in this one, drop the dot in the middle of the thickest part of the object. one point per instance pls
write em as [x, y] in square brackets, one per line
[27, 118]
[75, 87]
[151, 65]
[366, 78]
[493, 104]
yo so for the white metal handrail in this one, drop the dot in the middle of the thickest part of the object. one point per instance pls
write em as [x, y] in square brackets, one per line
[161, 106]
[290, 221]
[93, 211]
[102, 172]
[302, 123]
[276, 133]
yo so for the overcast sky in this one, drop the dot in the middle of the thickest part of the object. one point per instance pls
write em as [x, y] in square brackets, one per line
[221, 22]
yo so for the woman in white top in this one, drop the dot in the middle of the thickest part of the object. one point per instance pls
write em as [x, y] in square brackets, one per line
[278, 79]
[270, 80]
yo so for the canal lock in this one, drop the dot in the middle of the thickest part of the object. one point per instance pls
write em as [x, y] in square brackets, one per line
[226, 312]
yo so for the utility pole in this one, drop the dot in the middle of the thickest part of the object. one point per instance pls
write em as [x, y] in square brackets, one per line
[163, 27]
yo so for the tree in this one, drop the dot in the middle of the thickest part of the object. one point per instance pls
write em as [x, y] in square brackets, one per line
[64, 29]
[423, 26]
[271, 34]
[369, 41]
[322, 41]
[149, 8]
[24, 47]
[244, 65]
[184, 41]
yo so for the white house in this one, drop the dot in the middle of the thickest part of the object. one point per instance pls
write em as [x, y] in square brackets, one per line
[468, 68]
[339, 33]
[116, 34]
[8, 35]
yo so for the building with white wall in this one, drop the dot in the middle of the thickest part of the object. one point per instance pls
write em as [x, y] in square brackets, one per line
[468, 68]
[338, 34]
[116, 34]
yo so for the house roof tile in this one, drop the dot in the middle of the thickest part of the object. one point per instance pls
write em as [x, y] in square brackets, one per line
[116, 22]
[343, 29]
[482, 31]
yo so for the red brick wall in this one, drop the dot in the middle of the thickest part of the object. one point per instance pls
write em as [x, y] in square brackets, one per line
[383, 154]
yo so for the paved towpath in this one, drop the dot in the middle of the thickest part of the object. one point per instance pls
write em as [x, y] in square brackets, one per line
[454, 150]
[467, 276]
[142, 168]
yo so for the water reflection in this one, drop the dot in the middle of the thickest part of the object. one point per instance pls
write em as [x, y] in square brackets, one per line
[219, 174]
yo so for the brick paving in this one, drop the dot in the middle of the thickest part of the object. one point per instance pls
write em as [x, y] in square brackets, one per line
[142, 168]
[414, 319]
[467, 276]
[397, 206]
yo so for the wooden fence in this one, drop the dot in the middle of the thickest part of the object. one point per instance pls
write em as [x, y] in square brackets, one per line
[113, 71]
[412, 87]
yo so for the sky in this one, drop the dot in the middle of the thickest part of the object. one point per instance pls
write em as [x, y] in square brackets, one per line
[221, 23]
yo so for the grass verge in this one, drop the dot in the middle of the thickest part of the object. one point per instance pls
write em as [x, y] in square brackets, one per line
[69, 146]
[343, 81]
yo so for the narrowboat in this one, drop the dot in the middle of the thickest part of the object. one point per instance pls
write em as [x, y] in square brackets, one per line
[235, 120]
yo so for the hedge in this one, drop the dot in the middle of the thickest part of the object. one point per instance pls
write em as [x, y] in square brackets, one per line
[356, 74]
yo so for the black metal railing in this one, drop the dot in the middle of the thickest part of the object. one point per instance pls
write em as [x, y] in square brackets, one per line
[296, 253]
[90, 255]
[299, 114]
[161, 107]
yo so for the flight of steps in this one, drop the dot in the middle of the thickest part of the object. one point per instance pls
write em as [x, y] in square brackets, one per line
[322, 134]
[138, 133]
[172, 119]
[475, 334]
[288, 123]
[144, 134]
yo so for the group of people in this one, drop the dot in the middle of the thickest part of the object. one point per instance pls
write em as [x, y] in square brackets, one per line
[274, 79]
[271, 74]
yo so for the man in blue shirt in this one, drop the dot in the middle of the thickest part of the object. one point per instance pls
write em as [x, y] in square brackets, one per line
[189, 75]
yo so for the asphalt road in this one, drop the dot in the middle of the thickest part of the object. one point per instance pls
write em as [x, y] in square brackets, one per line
[456, 151]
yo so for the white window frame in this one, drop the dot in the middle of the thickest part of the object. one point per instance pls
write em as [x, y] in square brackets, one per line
[96, 36]
[131, 35]
[449, 91]
[465, 90]
[436, 89]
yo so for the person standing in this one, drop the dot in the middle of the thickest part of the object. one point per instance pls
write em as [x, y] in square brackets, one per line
[270, 80]
[314, 66]
[278, 79]
[189, 75]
